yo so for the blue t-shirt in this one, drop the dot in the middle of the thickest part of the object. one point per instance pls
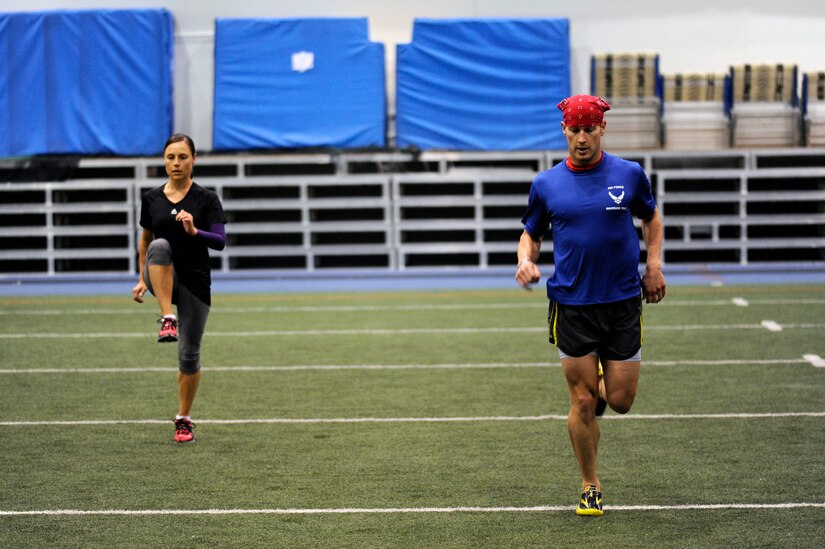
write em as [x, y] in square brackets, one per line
[595, 244]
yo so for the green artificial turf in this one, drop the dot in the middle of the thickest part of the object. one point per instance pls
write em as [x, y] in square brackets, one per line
[321, 417]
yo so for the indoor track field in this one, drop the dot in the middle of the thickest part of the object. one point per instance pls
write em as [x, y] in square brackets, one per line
[371, 419]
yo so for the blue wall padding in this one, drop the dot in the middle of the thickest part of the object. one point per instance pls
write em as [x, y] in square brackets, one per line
[483, 84]
[95, 82]
[263, 101]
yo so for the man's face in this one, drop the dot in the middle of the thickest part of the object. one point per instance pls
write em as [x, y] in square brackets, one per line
[584, 144]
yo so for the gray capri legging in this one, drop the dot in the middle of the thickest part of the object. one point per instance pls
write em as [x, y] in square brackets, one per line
[192, 312]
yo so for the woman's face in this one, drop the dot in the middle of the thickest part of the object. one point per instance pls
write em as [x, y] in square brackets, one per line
[179, 161]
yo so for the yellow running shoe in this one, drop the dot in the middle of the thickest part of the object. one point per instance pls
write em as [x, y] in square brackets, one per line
[590, 504]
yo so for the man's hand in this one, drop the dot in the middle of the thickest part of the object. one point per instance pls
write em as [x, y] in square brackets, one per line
[527, 273]
[653, 283]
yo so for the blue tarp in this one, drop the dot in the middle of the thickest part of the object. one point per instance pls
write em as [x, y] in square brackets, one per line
[293, 83]
[483, 84]
[85, 82]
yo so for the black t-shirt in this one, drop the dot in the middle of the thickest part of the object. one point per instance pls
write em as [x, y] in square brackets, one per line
[190, 254]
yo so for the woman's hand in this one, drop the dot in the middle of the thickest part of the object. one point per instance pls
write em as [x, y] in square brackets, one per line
[139, 291]
[188, 222]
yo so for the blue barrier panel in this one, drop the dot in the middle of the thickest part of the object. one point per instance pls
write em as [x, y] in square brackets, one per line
[85, 82]
[294, 83]
[483, 84]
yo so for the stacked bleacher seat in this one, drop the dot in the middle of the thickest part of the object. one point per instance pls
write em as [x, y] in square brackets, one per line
[765, 107]
[630, 83]
[813, 98]
[694, 115]
[86, 82]
[482, 84]
[298, 83]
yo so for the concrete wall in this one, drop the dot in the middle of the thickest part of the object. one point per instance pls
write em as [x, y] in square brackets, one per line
[694, 36]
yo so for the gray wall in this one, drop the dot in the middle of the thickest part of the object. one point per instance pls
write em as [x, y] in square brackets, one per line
[692, 36]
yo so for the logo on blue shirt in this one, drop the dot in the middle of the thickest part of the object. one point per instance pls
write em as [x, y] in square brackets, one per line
[616, 199]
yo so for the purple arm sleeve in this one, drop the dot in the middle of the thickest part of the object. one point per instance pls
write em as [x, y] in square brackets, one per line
[216, 236]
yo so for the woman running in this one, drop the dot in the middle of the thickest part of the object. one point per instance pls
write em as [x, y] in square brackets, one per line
[181, 220]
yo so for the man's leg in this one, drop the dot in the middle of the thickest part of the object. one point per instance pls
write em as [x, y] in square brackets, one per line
[621, 379]
[582, 376]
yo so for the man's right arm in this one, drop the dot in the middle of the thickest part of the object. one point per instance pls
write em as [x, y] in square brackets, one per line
[527, 272]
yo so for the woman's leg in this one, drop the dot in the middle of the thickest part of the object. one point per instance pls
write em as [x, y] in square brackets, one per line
[187, 389]
[192, 317]
[159, 274]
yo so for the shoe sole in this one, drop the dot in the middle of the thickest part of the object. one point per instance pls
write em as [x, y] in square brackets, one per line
[190, 441]
[589, 512]
[167, 339]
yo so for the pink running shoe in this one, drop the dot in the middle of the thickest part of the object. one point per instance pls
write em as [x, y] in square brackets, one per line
[168, 329]
[183, 430]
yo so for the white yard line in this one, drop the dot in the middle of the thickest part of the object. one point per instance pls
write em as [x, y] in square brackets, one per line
[275, 333]
[815, 360]
[760, 326]
[408, 510]
[771, 325]
[723, 362]
[401, 331]
[357, 420]
[736, 301]
[288, 309]
[294, 368]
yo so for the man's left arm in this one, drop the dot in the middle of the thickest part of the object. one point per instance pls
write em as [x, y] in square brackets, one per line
[653, 281]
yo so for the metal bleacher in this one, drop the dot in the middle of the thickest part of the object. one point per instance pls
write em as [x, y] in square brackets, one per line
[401, 211]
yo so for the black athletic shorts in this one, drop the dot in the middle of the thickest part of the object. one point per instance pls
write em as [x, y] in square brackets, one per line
[611, 330]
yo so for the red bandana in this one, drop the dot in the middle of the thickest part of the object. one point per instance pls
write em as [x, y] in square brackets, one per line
[583, 111]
